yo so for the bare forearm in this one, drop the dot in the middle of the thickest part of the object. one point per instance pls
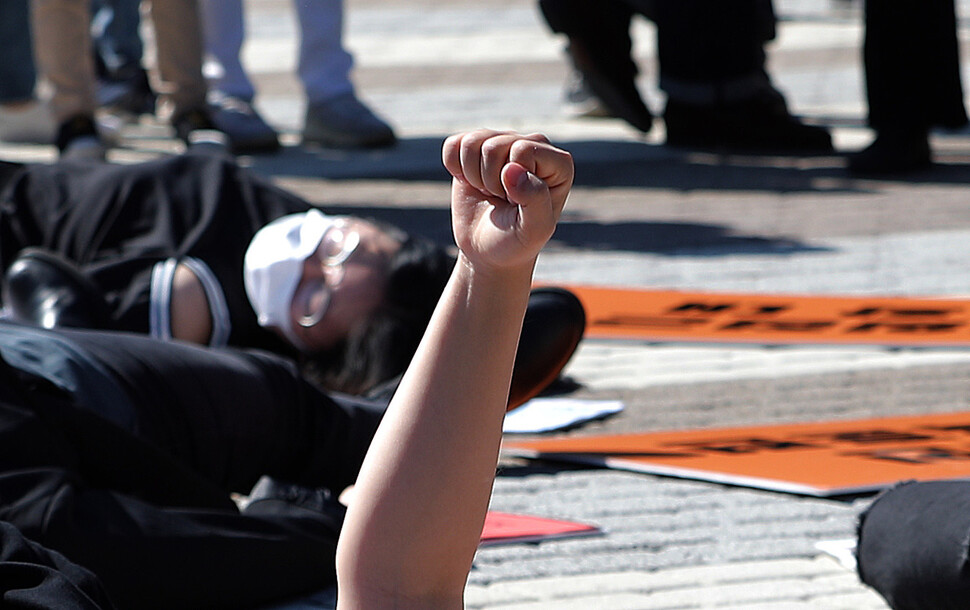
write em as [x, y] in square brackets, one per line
[423, 491]
[417, 513]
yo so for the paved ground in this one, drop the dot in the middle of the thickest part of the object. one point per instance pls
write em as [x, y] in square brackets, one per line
[644, 215]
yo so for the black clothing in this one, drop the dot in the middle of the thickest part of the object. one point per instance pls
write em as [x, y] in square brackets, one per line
[914, 545]
[118, 222]
[710, 52]
[912, 65]
[146, 507]
[34, 577]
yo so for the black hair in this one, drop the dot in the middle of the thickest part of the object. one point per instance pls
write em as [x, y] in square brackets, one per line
[382, 347]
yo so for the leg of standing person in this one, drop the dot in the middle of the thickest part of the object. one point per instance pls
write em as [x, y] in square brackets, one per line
[599, 47]
[712, 68]
[17, 73]
[231, 92]
[181, 87]
[122, 86]
[912, 66]
[335, 117]
[62, 43]
[224, 30]
[23, 118]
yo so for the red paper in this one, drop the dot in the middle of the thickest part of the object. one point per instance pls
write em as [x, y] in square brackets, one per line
[505, 528]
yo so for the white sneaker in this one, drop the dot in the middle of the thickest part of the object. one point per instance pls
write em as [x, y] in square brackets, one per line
[27, 124]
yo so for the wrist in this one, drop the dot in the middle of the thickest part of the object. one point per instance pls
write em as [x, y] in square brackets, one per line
[482, 273]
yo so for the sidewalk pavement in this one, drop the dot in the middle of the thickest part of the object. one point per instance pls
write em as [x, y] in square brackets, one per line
[643, 215]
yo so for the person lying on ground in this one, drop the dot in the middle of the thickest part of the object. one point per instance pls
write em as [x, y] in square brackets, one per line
[118, 452]
[121, 452]
[195, 247]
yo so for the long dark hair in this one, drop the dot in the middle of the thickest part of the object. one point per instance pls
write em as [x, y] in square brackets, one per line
[381, 349]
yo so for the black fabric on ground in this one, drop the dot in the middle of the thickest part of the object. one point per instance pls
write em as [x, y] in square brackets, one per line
[148, 510]
[913, 546]
[34, 577]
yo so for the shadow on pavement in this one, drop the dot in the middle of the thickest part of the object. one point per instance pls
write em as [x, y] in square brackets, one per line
[613, 164]
[672, 238]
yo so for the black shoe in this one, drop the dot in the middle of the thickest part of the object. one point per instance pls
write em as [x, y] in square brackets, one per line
[617, 92]
[759, 125]
[198, 131]
[271, 497]
[78, 140]
[553, 327]
[43, 289]
[554, 324]
[248, 132]
[131, 95]
[893, 152]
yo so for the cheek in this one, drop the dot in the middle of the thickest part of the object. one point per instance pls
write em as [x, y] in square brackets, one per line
[322, 336]
[352, 303]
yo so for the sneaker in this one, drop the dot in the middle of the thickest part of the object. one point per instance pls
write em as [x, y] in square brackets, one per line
[29, 123]
[78, 140]
[893, 152]
[248, 132]
[197, 130]
[345, 122]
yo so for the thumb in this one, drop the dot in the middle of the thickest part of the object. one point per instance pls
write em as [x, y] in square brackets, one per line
[522, 186]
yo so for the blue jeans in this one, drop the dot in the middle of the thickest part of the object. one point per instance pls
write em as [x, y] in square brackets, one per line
[117, 43]
[17, 72]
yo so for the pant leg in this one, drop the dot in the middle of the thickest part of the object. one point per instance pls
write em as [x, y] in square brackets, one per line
[117, 40]
[178, 32]
[323, 64]
[913, 546]
[151, 556]
[62, 44]
[603, 28]
[32, 576]
[72, 485]
[224, 31]
[17, 72]
[711, 51]
[912, 64]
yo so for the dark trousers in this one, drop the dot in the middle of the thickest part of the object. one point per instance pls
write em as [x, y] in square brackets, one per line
[914, 542]
[157, 533]
[912, 65]
[706, 48]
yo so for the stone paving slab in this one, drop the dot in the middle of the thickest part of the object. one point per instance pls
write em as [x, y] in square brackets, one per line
[818, 583]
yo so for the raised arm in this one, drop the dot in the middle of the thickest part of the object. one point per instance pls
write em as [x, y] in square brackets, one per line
[420, 501]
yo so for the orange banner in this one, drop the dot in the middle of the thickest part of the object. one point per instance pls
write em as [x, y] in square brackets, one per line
[656, 315]
[818, 459]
